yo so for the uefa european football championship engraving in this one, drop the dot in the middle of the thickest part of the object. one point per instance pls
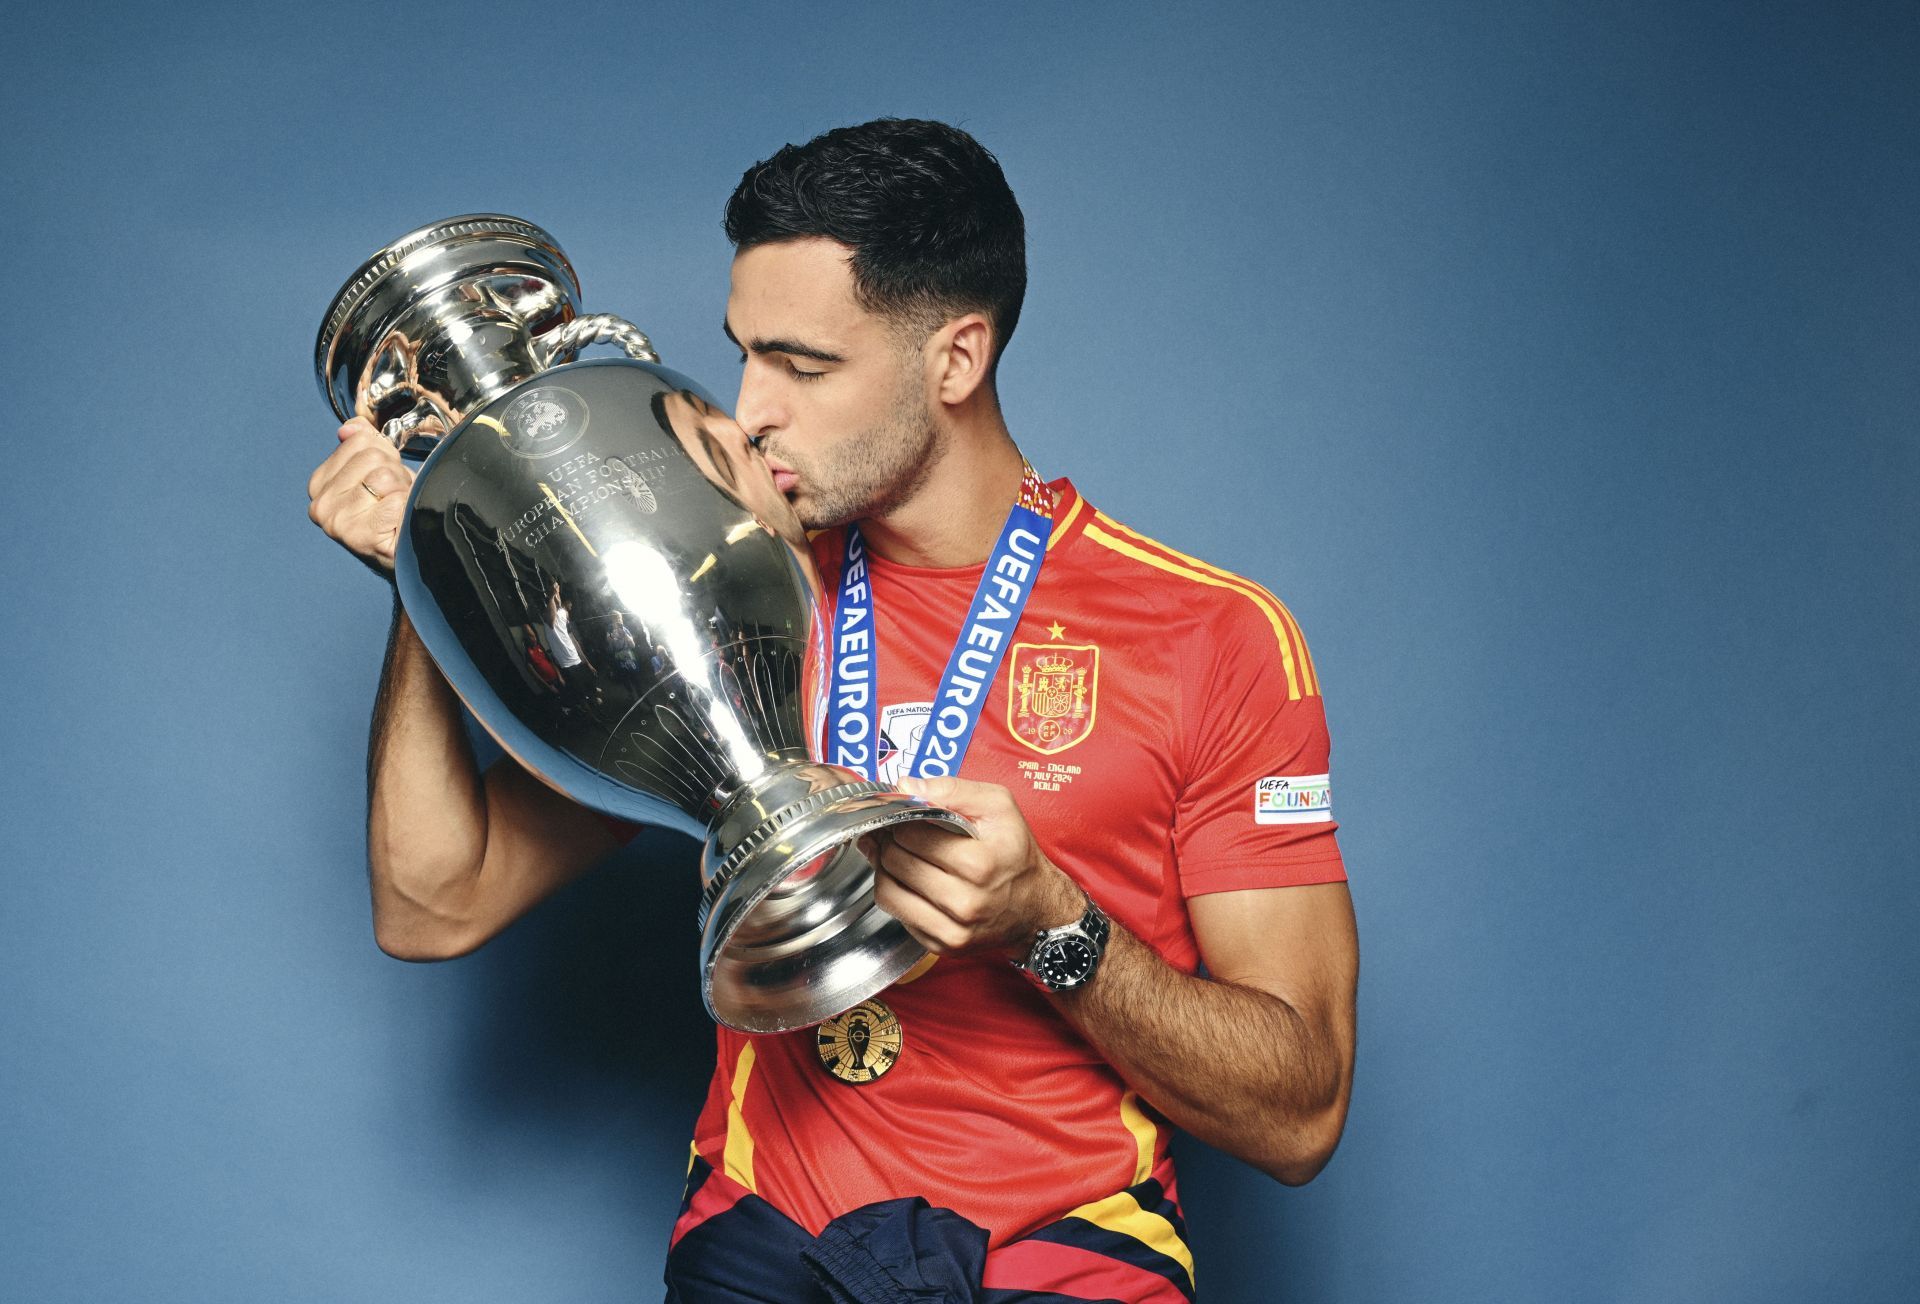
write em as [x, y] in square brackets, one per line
[600, 564]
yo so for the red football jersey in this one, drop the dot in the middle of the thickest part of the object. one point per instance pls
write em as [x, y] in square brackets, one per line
[1159, 723]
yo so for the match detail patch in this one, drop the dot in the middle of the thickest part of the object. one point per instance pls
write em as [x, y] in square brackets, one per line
[1293, 799]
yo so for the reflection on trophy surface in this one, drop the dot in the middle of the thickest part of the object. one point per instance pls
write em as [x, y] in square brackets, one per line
[601, 565]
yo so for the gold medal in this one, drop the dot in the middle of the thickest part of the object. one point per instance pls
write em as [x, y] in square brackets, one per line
[862, 1044]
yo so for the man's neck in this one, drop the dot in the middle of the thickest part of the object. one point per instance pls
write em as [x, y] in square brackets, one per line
[955, 516]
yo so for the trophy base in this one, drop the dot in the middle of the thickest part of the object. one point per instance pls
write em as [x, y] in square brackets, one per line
[790, 934]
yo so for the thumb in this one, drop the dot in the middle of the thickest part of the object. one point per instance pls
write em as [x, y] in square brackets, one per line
[961, 796]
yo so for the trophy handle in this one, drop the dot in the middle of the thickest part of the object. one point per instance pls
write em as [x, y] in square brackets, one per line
[406, 432]
[411, 433]
[560, 343]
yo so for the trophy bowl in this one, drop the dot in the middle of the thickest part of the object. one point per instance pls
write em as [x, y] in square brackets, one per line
[600, 564]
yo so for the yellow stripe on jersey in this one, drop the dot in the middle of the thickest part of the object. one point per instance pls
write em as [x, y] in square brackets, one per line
[1259, 594]
[1060, 526]
[918, 971]
[1122, 1213]
[1145, 1134]
[1138, 553]
[738, 1160]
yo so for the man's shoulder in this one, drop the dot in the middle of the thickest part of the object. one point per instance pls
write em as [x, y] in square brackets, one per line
[1239, 617]
[1170, 574]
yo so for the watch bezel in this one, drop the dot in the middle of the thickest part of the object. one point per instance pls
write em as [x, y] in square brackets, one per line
[1090, 930]
[1053, 952]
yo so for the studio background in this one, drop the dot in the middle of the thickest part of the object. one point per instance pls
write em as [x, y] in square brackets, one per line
[1556, 363]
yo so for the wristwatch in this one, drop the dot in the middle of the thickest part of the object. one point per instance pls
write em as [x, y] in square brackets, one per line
[1064, 958]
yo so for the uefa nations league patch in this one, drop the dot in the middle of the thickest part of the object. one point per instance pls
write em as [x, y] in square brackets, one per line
[1293, 799]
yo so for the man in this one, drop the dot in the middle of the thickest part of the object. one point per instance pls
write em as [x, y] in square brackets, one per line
[1146, 772]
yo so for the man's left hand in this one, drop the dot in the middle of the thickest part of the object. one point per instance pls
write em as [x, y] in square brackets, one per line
[953, 892]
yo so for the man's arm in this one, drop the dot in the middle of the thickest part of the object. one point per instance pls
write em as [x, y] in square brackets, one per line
[1256, 1060]
[454, 856]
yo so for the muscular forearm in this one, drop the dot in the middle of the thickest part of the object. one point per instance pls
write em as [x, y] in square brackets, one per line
[1240, 1068]
[426, 807]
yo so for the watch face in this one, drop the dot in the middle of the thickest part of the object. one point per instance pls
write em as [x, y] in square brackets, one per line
[1065, 962]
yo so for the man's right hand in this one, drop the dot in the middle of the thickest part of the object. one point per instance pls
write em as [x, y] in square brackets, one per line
[359, 494]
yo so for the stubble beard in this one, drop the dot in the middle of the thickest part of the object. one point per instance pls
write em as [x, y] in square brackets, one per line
[872, 474]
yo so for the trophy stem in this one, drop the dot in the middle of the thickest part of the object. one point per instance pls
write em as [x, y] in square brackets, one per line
[790, 934]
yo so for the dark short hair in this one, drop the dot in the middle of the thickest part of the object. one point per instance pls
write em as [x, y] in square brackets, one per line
[935, 230]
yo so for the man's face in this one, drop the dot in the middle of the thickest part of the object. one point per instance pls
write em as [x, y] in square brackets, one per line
[834, 393]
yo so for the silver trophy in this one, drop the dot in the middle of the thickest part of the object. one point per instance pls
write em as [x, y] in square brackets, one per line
[601, 566]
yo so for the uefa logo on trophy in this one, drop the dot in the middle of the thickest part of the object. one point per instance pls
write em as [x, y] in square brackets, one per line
[610, 508]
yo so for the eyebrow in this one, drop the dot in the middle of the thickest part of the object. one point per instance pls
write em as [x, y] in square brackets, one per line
[791, 347]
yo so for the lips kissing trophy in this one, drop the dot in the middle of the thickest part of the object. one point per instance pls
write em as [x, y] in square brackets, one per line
[601, 566]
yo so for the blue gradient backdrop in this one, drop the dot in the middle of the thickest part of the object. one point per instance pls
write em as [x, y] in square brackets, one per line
[1557, 363]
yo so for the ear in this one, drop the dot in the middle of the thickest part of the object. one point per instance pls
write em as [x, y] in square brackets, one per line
[958, 356]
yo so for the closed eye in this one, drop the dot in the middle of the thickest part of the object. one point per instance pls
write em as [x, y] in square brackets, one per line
[786, 350]
[792, 370]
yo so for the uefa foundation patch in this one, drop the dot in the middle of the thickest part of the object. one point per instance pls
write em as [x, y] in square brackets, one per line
[1293, 799]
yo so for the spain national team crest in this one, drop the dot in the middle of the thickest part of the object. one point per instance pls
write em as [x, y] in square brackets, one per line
[1052, 689]
[861, 1044]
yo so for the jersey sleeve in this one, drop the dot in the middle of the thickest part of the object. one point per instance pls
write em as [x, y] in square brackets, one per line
[1256, 807]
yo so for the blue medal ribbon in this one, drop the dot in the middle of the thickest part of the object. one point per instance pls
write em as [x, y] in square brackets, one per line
[853, 716]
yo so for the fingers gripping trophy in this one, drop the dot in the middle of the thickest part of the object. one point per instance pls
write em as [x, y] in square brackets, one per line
[601, 566]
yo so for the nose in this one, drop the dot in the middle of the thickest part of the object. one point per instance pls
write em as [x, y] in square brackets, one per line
[757, 409]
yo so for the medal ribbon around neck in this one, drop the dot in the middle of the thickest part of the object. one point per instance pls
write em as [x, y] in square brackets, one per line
[853, 717]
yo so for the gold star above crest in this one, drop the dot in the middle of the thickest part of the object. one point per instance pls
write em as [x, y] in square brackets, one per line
[1056, 630]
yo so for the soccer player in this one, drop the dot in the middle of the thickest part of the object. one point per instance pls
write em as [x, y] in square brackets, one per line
[1137, 735]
